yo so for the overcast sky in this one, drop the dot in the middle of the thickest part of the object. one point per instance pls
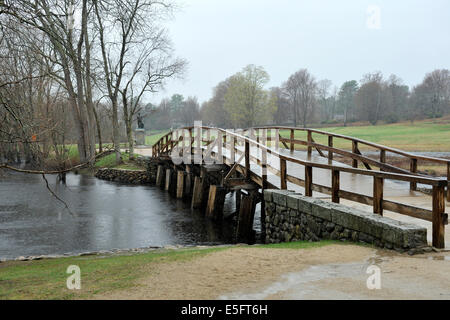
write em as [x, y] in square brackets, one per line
[336, 40]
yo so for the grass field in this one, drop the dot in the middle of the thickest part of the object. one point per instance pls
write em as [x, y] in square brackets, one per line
[46, 279]
[420, 136]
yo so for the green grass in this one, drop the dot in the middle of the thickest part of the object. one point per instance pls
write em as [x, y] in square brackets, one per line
[154, 136]
[109, 161]
[46, 279]
[420, 136]
[299, 244]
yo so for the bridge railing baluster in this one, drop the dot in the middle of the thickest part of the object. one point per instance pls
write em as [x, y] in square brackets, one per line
[378, 183]
[335, 185]
[283, 173]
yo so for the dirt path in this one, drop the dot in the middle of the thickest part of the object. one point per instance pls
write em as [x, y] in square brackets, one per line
[330, 272]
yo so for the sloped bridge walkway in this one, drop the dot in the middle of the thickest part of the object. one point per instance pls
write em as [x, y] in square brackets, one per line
[290, 158]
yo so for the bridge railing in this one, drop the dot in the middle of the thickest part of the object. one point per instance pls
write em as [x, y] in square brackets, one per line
[355, 154]
[239, 147]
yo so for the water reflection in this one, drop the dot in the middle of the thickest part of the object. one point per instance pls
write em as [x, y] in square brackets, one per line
[105, 215]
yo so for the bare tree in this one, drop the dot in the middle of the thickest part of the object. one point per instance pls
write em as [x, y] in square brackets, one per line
[301, 88]
[135, 54]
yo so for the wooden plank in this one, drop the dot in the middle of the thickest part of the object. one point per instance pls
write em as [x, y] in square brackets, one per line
[308, 181]
[438, 218]
[330, 144]
[283, 141]
[413, 170]
[318, 149]
[335, 182]
[378, 195]
[233, 168]
[364, 162]
[283, 172]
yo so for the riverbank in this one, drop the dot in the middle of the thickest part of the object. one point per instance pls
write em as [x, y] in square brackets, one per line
[326, 269]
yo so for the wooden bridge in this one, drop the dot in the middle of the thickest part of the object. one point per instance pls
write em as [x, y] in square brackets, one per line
[251, 160]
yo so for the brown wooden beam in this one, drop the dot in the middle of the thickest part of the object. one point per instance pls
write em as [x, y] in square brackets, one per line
[438, 217]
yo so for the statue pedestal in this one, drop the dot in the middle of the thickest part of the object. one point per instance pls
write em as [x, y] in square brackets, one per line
[139, 135]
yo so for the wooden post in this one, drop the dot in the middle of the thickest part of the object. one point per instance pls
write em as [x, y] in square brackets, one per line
[330, 144]
[413, 169]
[277, 139]
[354, 150]
[283, 181]
[309, 143]
[160, 176]
[335, 185]
[438, 217]
[244, 229]
[308, 181]
[188, 182]
[191, 143]
[237, 195]
[292, 140]
[233, 150]
[448, 181]
[378, 195]
[382, 157]
[168, 179]
[180, 184]
[216, 199]
[247, 159]
[197, 193]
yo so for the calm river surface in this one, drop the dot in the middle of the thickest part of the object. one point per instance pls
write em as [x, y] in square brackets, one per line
[103, 216]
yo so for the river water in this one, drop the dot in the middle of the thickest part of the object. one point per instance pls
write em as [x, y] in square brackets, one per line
[103, 216]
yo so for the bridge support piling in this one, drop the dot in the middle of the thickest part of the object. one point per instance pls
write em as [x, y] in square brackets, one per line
[160, 176]
[180, 184]
[197, 193]
[244, 230]
[188, 182]
[216, 200]
[168, 176]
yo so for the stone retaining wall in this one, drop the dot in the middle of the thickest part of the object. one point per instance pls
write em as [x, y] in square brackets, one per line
[124, 176]
[293, 217]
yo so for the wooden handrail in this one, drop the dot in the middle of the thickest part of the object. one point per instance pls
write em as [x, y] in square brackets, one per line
[368, 143]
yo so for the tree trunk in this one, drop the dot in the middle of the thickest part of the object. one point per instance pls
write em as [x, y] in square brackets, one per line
[116, 137]
[99, 131]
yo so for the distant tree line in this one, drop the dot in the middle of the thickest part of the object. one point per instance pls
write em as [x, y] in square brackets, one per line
[242, 100]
